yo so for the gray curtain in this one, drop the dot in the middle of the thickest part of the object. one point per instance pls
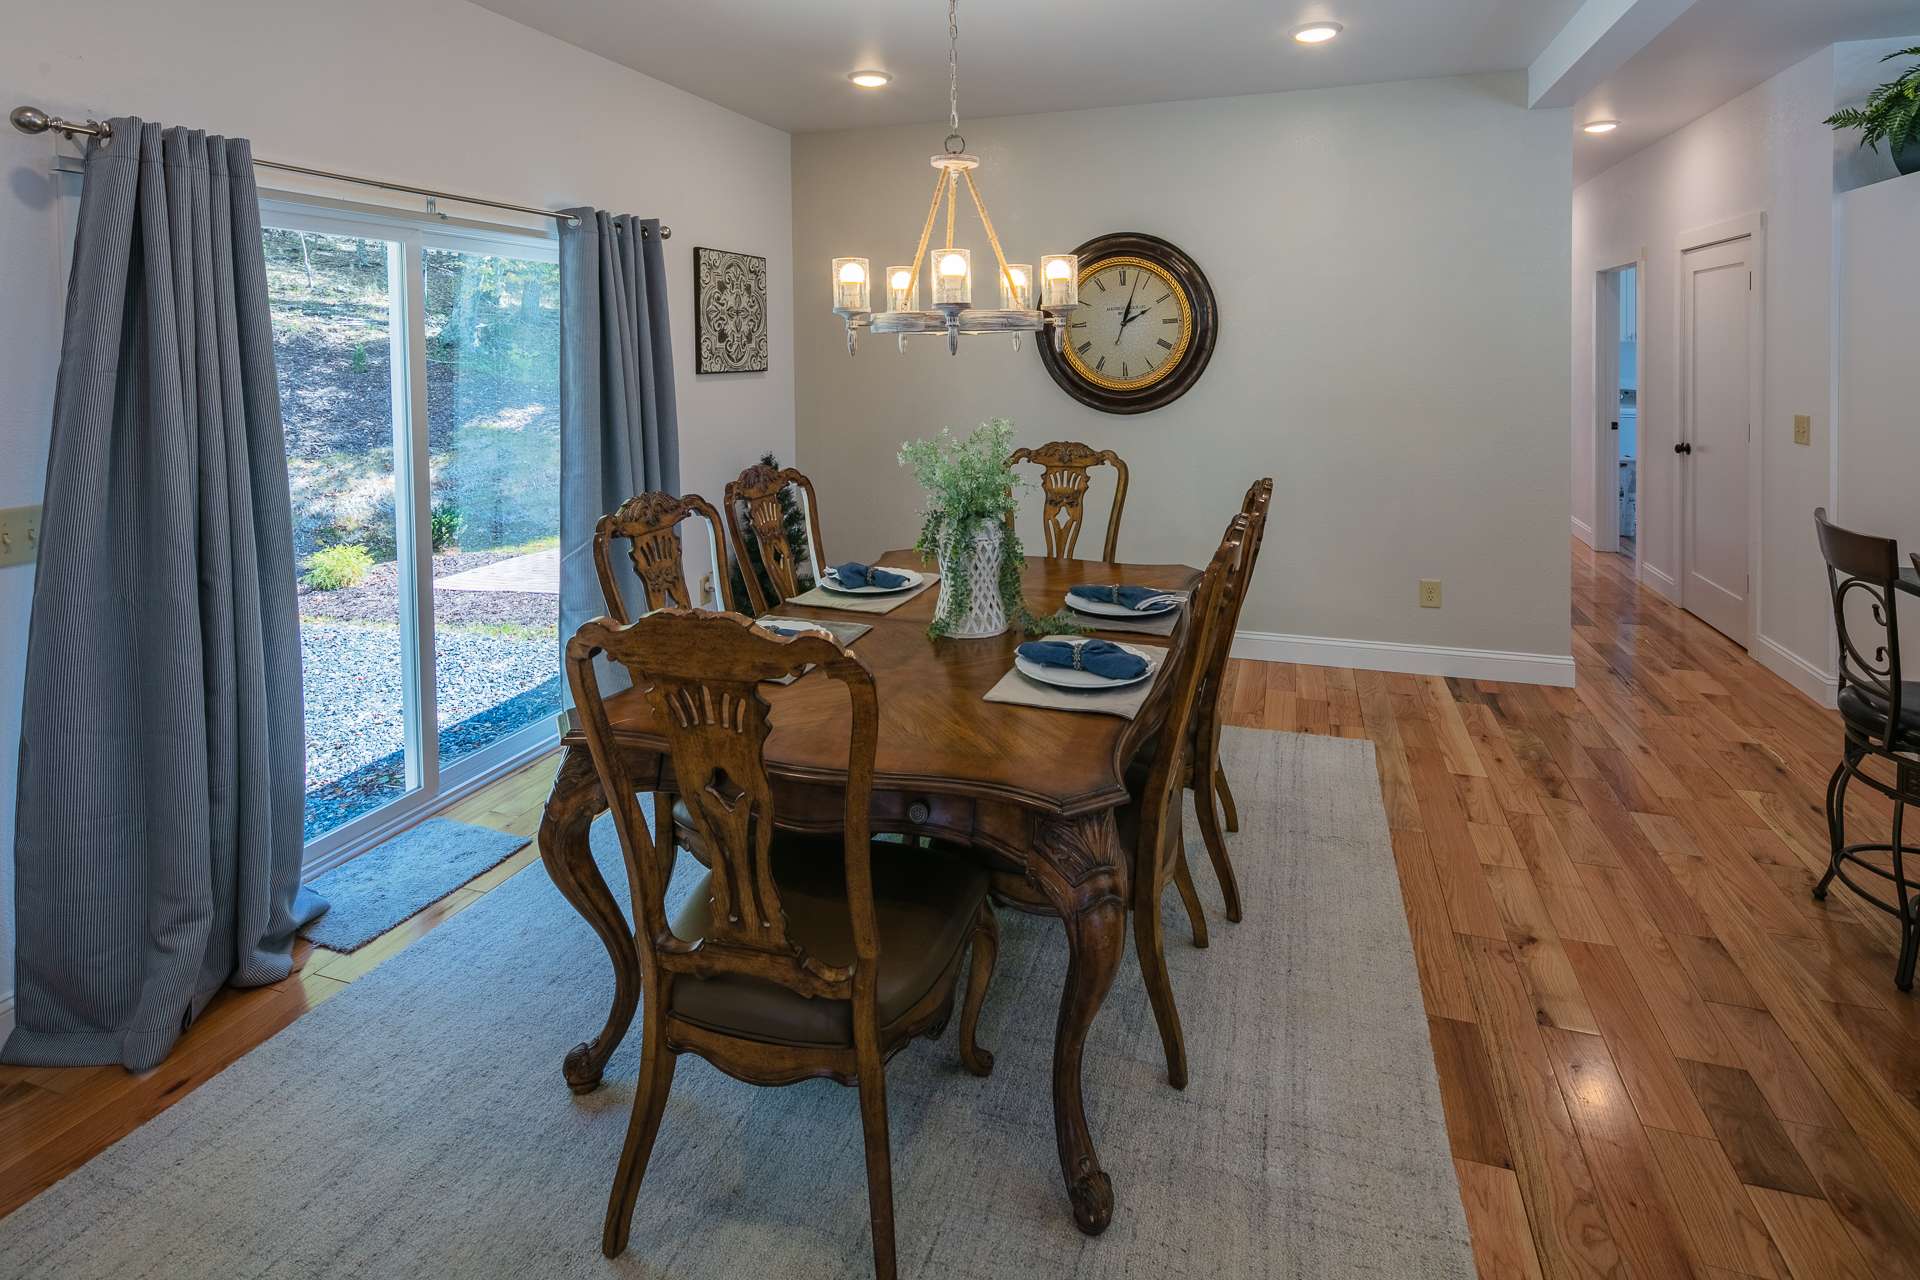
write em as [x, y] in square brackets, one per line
[619, 434]
[162, 769]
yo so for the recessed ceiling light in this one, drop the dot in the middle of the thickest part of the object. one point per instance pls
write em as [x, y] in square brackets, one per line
[870, 79]
[1600, 126]
[1317, 32]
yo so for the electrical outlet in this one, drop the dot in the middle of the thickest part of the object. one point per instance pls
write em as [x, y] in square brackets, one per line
[19, 535]
[1429, 593]
[1802, 429]
[706, 588]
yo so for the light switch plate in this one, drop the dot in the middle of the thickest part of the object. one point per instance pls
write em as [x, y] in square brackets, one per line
[19, 535]
[1802, 429]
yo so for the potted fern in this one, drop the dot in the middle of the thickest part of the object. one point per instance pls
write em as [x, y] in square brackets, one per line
[1891, 114]
[967, 530]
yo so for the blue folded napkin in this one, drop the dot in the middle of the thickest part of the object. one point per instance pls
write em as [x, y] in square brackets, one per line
[1101, 657]
[1136, 598]
[786, 628]
[854, 574]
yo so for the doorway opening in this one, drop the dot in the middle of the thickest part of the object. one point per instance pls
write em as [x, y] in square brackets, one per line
[1626, 420]
[1616, 424]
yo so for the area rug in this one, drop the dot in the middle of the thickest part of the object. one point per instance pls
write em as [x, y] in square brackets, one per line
[399, 878]
[417, 1124]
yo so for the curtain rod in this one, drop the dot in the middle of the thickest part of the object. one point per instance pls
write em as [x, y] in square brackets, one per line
[34, 120]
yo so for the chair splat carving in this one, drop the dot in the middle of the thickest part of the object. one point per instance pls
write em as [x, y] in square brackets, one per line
[1064, 481]
[756, 493]
[650, 522]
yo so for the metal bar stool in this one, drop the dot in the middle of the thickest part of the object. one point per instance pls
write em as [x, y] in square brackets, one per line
[1881, 715]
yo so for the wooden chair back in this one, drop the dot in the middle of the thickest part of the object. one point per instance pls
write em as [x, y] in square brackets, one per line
[650, 522]
[1868, 566]
[702, 672]
[754, 499]
[1063, 480]
[1206, 614]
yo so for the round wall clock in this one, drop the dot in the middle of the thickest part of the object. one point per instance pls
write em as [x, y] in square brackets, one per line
[1145, 328]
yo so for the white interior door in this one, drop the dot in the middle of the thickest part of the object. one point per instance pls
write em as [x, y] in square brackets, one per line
[1718, 331]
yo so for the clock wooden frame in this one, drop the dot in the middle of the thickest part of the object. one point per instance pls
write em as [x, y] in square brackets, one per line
[1203, 309]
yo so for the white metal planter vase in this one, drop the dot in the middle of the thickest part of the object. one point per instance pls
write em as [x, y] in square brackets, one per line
[979, 568]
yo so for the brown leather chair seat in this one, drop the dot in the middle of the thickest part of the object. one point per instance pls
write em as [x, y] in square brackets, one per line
[924, 904]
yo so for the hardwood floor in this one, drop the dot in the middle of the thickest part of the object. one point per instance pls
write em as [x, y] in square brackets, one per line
[1658, 1055]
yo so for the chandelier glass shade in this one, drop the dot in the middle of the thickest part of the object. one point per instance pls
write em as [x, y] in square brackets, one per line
[950, 283]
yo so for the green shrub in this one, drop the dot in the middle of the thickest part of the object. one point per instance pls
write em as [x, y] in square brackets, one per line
[331, 568]
[446, 526]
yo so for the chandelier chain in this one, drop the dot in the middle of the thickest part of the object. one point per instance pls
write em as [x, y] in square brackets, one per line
[953, 65]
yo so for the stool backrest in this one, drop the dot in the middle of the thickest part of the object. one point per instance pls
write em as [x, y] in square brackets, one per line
[1863, 568]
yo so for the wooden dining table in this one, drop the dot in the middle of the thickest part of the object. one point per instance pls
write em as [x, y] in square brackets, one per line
[1032, 792]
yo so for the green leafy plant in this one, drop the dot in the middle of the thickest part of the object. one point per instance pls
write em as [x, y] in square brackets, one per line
[969, 486]
[446, 520]
[332, 568]
[793, 522]
[1891, 113]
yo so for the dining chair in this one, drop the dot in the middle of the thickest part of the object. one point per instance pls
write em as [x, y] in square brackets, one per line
[1207, 775]
[754, 498]
[796, 956]
[1151, 823]
[650, 524]
[1880, 716]
[1064, 466]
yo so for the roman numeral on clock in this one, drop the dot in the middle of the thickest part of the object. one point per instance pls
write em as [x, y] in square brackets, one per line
[1162, 298]
[1100, 367]
[1171, 320]
[1100, 284]
[1084, 347]
[1124, 371]
[1168, 345]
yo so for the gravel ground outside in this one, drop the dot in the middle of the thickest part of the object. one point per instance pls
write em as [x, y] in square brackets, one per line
[352, 683]
[377, 598]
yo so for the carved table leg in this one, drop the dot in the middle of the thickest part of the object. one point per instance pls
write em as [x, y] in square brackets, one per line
[1079, 865]
[571, 808]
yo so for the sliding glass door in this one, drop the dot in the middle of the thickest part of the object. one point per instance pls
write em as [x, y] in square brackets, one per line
[419, 382]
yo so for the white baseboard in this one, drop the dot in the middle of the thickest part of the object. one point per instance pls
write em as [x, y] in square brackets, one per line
[1582, 530]
[6, 1016]
[1660, 581]
[1795, 670]
[1412, 659]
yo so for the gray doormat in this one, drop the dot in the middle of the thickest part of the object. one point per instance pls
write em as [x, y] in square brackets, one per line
[417, 1125]
[399, 878]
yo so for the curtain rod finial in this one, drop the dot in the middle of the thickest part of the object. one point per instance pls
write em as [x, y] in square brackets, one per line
[30, 120]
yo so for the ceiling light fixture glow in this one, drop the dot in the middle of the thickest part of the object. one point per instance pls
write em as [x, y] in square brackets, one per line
[870, 79]
[1317, 32]
[1600, 126]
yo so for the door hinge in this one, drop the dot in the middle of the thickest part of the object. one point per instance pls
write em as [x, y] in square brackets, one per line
[1749, 282]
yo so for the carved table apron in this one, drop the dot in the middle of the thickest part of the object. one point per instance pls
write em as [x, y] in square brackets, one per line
[950, 766]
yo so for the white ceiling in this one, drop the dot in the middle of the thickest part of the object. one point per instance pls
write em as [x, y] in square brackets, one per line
[1713, 53]
[786, 61]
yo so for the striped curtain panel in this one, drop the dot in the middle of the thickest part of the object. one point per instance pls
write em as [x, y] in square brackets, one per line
[619, 430]
[162, 769]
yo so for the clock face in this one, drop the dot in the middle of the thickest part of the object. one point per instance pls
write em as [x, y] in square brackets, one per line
[1134, 325]
[1144, 330]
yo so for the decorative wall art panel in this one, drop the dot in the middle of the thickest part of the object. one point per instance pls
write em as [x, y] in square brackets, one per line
[730, 311]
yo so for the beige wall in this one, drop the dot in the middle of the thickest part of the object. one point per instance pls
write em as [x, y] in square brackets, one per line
[1391, 267]
[433, 92]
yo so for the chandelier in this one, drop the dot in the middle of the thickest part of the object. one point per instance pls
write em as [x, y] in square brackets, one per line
[950, 269]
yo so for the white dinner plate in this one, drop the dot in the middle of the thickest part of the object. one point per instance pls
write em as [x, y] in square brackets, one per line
[1105, 609]
[1069, 678]
[828, 581]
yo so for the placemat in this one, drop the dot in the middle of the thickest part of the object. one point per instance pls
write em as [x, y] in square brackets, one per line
[821, 598]
[1124, 702]
[1160, 624]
